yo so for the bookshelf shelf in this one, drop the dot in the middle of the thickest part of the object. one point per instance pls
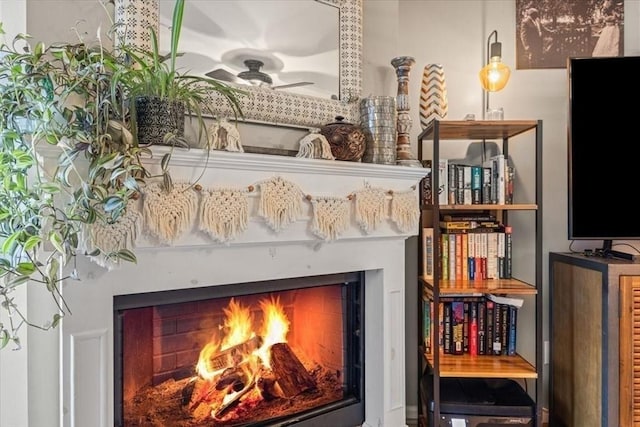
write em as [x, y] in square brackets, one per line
[465, 366]
[444, 280]
[489, 286]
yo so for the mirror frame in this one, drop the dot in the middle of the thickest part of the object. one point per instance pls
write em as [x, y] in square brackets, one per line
[265, 105]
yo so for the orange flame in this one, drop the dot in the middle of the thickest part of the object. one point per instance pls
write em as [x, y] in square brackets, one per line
[239, 328]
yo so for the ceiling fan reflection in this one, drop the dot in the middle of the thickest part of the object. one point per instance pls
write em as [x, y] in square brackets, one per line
[252, 76]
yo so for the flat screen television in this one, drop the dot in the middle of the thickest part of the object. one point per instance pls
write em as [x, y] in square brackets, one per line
[604, 149]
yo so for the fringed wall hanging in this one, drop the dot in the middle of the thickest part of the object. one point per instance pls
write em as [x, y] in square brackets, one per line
[225, 136]
[315, 146]
[168, 214]
[112, 237]
[224, 213]
[280, 202]
[405, 211]
[371, 208]
[330, 216]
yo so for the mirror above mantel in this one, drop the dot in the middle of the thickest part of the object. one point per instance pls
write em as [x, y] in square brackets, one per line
[265, 104]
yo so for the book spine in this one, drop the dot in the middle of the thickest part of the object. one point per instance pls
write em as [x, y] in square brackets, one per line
[426, 184]
[473, 328]
[504, 331]
[427, 253]
[482, 327]
[513, 324]
[465, 256]
[460, 184]
[471, 247]
[501, 256]
[466, 188]
[465, 326]
[492, 255]
[446, 308]
[476, 185]
[486, 185]
[508, 249]
[453, 184]
[443, 186]
[490, 326]
[497, 329]
[459, 256]
[457, 327]
[452, 256]
[509, 177]
[444, 255]
[426, 324]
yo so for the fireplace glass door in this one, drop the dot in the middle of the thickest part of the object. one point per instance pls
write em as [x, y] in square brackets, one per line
[274, 353]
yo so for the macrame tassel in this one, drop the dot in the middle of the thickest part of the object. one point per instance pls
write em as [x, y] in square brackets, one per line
[371, 204]
[330, 217]
[315, 146]
[168, 214]
[405, 211]
[224, 136]
[111, 237]
[224, 213]
[280, 203]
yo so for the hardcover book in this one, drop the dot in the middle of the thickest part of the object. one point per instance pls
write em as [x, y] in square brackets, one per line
[427, 253]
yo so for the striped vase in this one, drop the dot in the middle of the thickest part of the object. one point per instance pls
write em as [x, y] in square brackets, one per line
[433, 94]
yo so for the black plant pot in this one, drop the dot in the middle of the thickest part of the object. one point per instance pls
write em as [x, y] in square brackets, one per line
[156, 117]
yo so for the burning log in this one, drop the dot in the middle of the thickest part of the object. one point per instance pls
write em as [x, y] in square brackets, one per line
[232, 356]
[231, 377]
[234, 401]
[267, 386]
[290, 373]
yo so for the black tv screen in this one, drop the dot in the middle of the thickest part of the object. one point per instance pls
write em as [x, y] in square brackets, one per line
[604, 148]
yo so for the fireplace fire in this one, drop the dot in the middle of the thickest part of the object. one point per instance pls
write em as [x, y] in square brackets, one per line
[266, 353]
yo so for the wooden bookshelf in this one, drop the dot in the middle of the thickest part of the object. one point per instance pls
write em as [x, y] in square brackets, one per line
[488, 286]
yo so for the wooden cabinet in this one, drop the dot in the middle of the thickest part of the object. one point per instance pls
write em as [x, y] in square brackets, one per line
[436, 366]
[595, 341]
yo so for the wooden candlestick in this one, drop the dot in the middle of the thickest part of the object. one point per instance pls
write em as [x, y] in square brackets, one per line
[404, 157]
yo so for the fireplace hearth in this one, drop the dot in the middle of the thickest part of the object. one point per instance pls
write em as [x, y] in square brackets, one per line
[263, 353]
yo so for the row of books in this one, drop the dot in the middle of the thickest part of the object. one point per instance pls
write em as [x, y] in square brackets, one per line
[475, 253]
[463, 184]
[474, 325]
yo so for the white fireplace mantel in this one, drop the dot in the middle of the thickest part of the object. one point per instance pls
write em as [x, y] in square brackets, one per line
[69, 372]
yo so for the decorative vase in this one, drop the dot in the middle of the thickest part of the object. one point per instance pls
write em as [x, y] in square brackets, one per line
[157, 117]
[433, 94]
[346, 140]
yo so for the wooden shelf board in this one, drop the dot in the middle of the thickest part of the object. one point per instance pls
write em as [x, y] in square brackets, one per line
[468, 366]
[489, 286]
[509, 207]
[477, 129]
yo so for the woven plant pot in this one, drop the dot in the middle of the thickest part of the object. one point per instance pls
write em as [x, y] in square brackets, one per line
[157, 117]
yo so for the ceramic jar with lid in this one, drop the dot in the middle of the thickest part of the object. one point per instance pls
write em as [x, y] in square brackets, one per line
[347, 140]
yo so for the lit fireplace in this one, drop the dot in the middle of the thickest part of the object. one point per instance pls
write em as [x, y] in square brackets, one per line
[81, 381]
[270, 353]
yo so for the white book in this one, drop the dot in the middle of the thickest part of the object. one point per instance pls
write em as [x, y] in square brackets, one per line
[443, 186]
[516, 302]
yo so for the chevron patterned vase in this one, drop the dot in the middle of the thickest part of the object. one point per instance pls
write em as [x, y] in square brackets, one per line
[433, 94]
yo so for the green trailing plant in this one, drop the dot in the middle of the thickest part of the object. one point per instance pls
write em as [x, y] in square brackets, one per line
[153, 74]
[71, 102]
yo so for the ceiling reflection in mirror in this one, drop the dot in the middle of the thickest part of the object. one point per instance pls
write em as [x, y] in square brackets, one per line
[295, 44]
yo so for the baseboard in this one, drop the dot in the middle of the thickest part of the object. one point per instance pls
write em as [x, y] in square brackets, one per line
[412, 412]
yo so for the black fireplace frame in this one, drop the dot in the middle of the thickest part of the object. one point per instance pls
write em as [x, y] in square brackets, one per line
[348, 412]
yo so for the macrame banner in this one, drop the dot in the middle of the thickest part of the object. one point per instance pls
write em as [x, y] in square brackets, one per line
[168, 214]
[405, 211]
[280, 202]
[371, 204]
[111, 237]
[330, 216]
[224, 213]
